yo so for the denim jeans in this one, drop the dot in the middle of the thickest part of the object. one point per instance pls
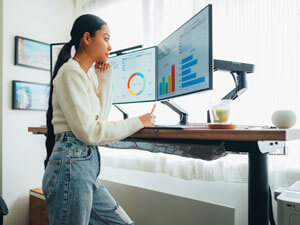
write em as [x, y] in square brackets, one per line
[73, 194]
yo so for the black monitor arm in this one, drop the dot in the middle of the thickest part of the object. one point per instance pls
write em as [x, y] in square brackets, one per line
[238, 72]
[183, 115]
[240, 85]
[125, 115]
[121, 51]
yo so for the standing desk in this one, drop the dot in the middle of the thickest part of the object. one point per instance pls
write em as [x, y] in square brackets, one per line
[256, 142]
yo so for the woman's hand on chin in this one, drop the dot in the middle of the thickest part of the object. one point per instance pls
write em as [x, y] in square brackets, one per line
[102, 66]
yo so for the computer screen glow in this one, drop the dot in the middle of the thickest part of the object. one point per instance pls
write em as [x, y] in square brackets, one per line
[185, 58]
[134, 76]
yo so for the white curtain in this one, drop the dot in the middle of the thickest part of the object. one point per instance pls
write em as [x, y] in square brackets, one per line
[86, 6]
[265, 33]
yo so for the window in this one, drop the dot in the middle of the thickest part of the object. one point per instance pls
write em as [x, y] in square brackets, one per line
[266, 33]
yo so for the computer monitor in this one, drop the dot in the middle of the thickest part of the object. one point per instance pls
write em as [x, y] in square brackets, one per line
[134, 76]
[185, 63]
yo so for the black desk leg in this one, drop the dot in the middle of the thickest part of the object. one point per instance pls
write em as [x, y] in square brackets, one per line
[258, 196]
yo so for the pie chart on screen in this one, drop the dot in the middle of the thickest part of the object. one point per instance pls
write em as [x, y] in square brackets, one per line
[136, 84]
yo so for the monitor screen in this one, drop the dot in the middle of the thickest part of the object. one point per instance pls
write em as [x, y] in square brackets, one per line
[134, 76]
[185, 58]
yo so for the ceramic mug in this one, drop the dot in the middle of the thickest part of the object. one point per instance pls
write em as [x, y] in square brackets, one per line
[283, 118]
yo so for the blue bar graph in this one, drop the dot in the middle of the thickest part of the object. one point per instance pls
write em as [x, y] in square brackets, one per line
[189, 77]
[160, 88]
[167, 89]
[187, 59]
[189, 64]
[192, 82]
[186, 72]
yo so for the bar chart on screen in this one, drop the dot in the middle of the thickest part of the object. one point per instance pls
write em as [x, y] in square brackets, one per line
[184, 59]
[188, 77]
[168, 85]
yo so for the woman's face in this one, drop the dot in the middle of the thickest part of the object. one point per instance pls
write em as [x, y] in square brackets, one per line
[100, 47]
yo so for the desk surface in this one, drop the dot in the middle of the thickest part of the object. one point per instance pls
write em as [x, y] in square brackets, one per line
[210, 134]
[36, 191]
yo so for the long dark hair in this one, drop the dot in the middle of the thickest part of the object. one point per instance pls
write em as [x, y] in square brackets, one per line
[85, 23]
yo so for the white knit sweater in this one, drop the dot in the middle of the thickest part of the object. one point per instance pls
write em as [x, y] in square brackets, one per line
[79, 107]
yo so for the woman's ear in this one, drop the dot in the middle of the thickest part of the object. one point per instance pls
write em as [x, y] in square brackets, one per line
[86, 38]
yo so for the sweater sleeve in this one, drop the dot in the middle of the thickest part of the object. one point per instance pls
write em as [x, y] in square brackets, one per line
[72, 91]
[105, 91]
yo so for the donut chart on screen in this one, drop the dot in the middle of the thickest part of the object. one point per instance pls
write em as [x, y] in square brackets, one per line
[129, 83]
[134, 76]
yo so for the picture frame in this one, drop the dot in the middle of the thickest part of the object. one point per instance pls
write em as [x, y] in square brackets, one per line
[30, 95]
[31, 53]
[55, 49]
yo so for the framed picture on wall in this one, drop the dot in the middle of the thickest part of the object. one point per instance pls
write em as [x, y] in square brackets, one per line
[31, 53]
[54, 52]
[29, 95]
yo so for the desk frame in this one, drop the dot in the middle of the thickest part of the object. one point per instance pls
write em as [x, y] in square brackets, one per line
[238, 140]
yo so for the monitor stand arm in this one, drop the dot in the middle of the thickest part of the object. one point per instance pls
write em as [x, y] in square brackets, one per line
[125, 115]
[238, 72]
[183, 115]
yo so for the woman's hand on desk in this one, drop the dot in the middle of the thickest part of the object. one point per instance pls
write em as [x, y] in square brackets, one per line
[149, 118]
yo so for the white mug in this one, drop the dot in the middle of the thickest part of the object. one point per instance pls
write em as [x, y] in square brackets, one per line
[283, 118]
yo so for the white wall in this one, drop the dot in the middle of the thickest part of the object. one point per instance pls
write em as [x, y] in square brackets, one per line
[149, 207]
[23, 153]
[232, 195]
[1, 94]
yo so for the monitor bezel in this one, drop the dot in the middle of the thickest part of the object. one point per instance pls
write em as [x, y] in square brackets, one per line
[210, 85]
[155, 78]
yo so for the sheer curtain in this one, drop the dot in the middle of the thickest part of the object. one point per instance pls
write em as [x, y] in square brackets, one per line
[265, 33]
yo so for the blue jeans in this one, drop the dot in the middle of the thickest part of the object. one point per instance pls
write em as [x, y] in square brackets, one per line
[73, 194]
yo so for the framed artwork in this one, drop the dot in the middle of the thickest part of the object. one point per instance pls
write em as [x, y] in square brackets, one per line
[54, 52]
[29, 95]
[31, 53]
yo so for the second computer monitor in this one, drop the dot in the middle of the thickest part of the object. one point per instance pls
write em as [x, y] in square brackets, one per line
[134, 76]
[185, 58]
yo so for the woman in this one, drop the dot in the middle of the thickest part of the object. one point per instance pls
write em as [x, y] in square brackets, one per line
[79, 104]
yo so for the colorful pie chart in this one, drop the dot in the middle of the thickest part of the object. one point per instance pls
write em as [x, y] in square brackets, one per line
[130, 84]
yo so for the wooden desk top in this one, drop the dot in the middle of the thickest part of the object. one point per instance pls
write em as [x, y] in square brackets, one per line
[210, 134]
[37, 191]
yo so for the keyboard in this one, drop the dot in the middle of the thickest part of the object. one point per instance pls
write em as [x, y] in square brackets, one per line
[176, 127]
[179, 127]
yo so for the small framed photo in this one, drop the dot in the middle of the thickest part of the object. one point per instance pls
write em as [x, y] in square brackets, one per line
[30, 96]
[55, 49]
[31, 53]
